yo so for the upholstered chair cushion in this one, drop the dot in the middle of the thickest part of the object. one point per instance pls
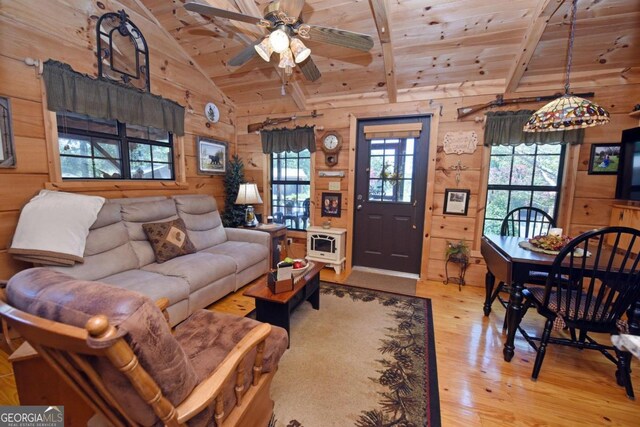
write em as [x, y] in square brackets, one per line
[56, 296]
[208, 336]
[202, 218]
[168, 239]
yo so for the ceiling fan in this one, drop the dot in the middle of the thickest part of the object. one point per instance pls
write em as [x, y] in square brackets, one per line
[286, 28]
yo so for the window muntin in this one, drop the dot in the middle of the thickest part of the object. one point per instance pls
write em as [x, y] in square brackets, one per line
[391, 169]
[291, 188]
[92, 148]
[524, 175]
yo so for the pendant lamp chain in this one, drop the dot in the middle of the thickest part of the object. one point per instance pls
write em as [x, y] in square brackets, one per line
[572, 34]
[569, 111]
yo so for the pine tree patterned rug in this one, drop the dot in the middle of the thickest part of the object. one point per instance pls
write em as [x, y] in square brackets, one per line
[366, 358]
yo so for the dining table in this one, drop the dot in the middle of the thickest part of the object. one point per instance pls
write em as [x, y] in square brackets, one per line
[507, 261]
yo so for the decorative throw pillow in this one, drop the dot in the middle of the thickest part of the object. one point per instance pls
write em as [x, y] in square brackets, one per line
[168, 239]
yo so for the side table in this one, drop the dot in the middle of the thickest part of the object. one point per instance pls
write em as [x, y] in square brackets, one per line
[278, 232]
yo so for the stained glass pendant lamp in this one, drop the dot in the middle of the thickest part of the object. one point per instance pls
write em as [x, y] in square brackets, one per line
[568, 111]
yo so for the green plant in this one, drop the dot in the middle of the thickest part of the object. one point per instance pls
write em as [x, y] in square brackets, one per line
[233, 214]
[458, 249]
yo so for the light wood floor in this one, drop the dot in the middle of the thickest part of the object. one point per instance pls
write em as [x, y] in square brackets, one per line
[477, 387]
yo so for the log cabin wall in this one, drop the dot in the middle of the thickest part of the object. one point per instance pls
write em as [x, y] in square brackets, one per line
[586, 199]
[65, 31]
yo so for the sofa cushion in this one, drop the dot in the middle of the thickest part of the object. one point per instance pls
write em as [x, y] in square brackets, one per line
[136, 214]
[199, 269]
[244, 254]
[168, 239]
[58, 297]
[153, 285]
[107, 250]
[208, 336]
[202, 218]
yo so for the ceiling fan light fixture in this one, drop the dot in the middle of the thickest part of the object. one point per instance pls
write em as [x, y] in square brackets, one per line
[567, 112]
[264, 49]
[286, 60]
[299, 50]
[279, 40]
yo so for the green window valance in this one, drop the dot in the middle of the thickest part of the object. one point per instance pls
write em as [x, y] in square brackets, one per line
[68, 90]
[281, 140]
[505, 128]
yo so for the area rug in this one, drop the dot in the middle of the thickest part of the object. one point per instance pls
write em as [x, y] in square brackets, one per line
[366, 358]
[382, 282]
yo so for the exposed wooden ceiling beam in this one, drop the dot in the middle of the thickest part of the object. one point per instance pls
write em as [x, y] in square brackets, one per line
[249, 7]
[379, 10]
[541, 16]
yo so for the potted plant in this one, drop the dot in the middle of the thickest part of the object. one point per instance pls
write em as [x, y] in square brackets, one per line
[457, 251]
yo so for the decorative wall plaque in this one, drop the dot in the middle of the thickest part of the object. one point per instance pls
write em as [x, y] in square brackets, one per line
[460, 142]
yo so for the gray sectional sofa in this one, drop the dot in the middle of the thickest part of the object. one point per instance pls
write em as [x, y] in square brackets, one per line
[118, 252]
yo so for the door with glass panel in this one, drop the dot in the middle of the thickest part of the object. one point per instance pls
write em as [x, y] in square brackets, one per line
[391, 171]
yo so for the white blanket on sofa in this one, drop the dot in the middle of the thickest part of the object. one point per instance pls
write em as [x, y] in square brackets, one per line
[53, 228]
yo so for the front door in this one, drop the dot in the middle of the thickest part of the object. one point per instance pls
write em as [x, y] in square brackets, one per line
[390, 192]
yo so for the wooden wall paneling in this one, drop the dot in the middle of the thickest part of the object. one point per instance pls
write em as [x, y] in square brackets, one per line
[8, 220]
[568, 188]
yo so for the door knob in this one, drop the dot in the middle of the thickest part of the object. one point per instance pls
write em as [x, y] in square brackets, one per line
[358, 207]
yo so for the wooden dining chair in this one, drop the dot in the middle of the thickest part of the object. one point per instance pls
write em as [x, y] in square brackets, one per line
[525, 221]
[115, 349]
[605, 285]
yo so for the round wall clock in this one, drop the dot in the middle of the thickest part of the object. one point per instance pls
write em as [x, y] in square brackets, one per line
[330, 143]
[212, 113]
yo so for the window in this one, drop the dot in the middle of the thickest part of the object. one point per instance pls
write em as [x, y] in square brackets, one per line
[291, 189]
[107, 149]
[524, 175]
[391, 170]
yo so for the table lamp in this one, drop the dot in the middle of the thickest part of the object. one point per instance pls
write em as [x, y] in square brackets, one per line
[247, 195]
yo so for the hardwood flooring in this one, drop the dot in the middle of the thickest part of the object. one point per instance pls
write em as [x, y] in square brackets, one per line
[477, 387]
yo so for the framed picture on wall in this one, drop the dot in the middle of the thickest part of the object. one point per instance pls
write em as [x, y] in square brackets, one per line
[331, 204]
[604, 159]
[456, 202]
[212, 156]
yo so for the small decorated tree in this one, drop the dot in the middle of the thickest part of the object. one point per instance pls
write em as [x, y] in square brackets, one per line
[233, 214]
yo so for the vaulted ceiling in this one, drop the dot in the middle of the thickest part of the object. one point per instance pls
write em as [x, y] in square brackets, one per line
[427, 45]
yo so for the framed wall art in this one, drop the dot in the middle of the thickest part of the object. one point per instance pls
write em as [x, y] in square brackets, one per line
[331, 204]
[456, 202]
[212, 156]
[604, 159]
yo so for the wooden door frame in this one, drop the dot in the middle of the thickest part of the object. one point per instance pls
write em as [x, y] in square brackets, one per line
[434, 114]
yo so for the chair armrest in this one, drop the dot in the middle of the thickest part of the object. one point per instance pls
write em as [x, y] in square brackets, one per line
[251, 236]
[205, 392]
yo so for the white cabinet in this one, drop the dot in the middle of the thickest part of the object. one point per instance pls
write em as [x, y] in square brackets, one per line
[327, 245]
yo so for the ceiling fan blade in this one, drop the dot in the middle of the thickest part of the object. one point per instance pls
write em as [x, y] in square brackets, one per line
[244, 56]
[214, 12]
[291, 7]
[309, 69]
[339, 37]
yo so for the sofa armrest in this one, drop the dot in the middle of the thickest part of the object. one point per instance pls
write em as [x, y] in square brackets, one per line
[250, 236]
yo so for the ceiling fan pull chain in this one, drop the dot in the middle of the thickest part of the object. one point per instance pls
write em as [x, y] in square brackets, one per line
[282, 91]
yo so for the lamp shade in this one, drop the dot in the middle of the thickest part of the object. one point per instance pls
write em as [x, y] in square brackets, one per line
[286, 59]
[299, 50]
[248, 195]
[279, 41]
[264, 49]
[566, 113]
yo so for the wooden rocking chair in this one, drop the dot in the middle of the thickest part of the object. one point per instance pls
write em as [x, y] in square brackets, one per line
[123, 375]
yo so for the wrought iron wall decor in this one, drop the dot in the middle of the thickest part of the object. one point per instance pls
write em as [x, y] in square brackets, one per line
[7, 151]
[123, 55]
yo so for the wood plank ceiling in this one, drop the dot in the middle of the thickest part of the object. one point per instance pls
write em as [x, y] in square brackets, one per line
[419, 46]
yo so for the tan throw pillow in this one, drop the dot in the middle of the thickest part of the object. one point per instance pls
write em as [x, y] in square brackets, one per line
[168, 239]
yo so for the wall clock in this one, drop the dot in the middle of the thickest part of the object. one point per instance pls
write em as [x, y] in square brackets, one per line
[212, 113]
[330, 143]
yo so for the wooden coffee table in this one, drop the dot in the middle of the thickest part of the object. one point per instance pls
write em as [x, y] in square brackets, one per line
[277, 308]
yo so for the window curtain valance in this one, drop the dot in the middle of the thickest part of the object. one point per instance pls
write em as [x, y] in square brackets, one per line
[68, 90]
[281, 140]
[505, 128]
